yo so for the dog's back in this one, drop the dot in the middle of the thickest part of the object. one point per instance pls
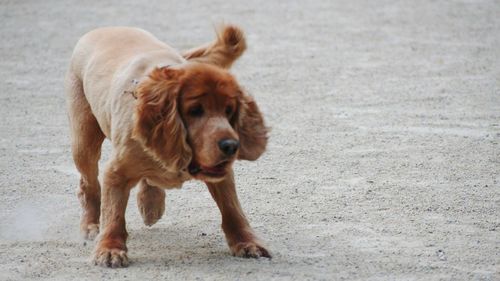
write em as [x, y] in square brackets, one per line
[109, 47]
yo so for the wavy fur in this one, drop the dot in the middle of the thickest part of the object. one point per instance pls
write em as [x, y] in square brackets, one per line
[158, 124]
[228, 46]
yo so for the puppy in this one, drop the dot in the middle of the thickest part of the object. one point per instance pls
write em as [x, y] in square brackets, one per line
[170, 117]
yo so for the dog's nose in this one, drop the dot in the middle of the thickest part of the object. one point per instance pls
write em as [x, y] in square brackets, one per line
[229, 146]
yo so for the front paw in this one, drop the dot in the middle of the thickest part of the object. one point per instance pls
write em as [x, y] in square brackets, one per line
[89, 231]
[250, 249]
[151, 204]
[151, 210]
[114, 258]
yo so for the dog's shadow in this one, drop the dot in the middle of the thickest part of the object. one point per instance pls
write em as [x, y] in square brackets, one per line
[176, 245]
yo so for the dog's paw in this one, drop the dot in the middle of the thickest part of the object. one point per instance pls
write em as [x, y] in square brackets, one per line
[114, 258]
[90, 231]
[249, 250]
[151, 203]
[151, 214]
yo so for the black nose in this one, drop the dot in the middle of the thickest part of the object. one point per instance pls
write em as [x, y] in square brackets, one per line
[229, 146]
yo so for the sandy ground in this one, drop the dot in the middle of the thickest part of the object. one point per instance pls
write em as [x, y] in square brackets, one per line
[383, 162]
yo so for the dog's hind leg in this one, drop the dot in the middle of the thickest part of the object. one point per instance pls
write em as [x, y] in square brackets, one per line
[151, 202]
[86, 141]
[224, 51]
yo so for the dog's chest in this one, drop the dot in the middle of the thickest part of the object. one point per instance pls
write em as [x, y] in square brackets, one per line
[168, 180]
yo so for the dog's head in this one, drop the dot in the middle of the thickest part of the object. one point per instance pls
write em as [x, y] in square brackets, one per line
[196, 117]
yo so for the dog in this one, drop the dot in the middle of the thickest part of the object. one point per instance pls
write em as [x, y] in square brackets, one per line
[171, 117]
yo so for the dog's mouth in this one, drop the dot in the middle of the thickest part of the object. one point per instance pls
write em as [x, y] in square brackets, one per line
[216, 171]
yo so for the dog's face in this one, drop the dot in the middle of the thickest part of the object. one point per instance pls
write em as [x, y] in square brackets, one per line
[197, 117]
[208, 107]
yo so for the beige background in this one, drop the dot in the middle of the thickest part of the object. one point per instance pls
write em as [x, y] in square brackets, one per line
[383, 162]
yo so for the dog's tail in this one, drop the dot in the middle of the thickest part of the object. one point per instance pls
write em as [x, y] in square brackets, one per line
[228, 46]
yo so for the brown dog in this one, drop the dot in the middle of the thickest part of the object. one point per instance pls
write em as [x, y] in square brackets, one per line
[170, 117]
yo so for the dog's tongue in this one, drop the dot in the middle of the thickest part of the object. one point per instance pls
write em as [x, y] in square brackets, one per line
[212, 170]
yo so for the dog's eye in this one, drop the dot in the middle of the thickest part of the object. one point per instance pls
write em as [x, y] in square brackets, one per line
[229, 110]
[196, 111]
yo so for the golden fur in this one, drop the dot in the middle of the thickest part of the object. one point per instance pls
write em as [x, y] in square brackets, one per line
[170, 117]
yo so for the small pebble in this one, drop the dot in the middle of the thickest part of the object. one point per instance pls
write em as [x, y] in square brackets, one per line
[441, 255]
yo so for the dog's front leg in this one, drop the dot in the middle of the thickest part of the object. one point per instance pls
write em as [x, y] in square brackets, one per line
[239, 235]
[111, 250]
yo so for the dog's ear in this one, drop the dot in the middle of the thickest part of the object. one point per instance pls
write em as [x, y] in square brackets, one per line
[251, 129]
[158, 125]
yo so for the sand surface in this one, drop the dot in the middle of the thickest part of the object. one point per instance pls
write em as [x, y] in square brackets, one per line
[383, 162]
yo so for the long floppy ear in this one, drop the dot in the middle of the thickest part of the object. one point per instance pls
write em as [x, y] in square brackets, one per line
[158, 125]
[251, 129]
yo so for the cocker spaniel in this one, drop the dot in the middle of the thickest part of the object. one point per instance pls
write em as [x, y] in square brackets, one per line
[171, 117]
